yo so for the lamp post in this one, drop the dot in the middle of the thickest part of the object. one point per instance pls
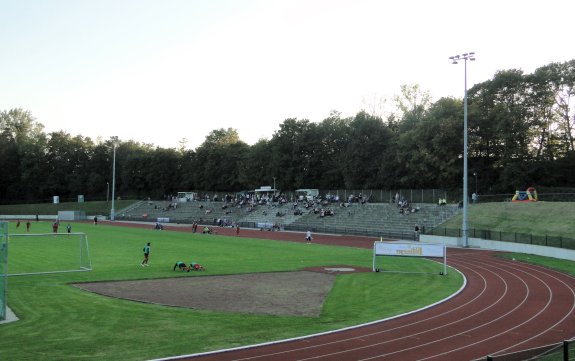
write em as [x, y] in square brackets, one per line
[112, 211]
[274, 186]
[454, 60]
[107, 192]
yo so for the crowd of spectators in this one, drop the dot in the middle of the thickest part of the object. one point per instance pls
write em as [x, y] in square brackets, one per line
[404, 205]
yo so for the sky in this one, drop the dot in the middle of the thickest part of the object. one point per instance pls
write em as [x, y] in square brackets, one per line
[160, 71]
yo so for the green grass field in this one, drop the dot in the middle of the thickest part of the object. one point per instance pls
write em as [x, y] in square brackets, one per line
[61, 322]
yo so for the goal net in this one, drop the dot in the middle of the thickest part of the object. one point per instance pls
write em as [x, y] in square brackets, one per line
[411, 257]
[48, 253]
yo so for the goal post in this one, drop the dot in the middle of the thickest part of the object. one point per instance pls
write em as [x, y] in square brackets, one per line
[45, 253]
[409, 249]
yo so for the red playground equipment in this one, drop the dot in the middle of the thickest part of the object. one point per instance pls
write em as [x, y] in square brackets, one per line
[530, 195]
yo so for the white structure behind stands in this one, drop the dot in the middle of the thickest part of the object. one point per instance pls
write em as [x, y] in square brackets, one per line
[560, 253]
[187, 196]
[71, 215]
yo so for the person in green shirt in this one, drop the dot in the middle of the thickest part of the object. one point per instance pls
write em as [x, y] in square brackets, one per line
[182, 266]
[146, 255]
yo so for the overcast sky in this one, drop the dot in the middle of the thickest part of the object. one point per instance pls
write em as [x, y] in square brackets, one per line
[157, 71]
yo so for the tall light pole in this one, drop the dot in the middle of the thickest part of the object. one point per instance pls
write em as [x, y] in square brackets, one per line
[454, 60]
[113, 211]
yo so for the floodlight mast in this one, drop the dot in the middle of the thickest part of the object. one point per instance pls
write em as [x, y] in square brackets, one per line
[454, 60]
[113, 211]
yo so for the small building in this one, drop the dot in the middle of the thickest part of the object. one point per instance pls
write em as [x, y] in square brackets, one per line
[186, 196]
[306, 194]
[265, 190]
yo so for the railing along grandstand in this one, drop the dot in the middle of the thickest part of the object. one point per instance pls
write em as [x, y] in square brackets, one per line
[356, 231]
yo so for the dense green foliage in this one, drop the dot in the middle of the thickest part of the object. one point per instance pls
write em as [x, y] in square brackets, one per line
[521, 133]
[61, 322]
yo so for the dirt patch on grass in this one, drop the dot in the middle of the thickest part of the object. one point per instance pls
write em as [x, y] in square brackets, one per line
[300, 293]
[278, 293]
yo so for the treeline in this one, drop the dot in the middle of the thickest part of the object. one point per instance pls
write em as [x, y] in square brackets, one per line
[520, 134]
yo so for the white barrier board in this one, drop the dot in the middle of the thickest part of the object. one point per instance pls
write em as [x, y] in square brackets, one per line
[410, 250]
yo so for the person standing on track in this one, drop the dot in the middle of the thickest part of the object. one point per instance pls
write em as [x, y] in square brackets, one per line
[146, 255]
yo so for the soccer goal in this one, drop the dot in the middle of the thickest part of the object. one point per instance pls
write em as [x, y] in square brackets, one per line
[406, 257]
[48, 253]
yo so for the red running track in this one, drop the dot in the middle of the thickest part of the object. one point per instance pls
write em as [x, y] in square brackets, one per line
[506, 306]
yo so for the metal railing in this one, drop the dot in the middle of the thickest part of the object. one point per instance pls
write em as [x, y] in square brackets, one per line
[514, 237]
[561, 351]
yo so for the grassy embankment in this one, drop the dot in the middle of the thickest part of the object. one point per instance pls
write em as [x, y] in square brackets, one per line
[538, 218]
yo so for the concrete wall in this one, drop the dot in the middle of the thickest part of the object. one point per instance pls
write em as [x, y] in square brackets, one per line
[41, 217]
[46, 217]
[560, 253]
[71, 215]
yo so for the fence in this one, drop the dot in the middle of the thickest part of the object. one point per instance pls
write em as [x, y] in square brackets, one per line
[412, 195]
[562, 351]
[3, 268]
[356, 231]
[524, 238]
[548, 197]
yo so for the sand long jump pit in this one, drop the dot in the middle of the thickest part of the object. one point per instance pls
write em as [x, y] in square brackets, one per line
[299, 293]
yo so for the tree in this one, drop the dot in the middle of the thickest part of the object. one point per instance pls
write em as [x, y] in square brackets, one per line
[411, 104]
[291, 153]
[369, 139]
[19, 125]
[562, 82]
[218, 161]
[222, 136]
[256, 166]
